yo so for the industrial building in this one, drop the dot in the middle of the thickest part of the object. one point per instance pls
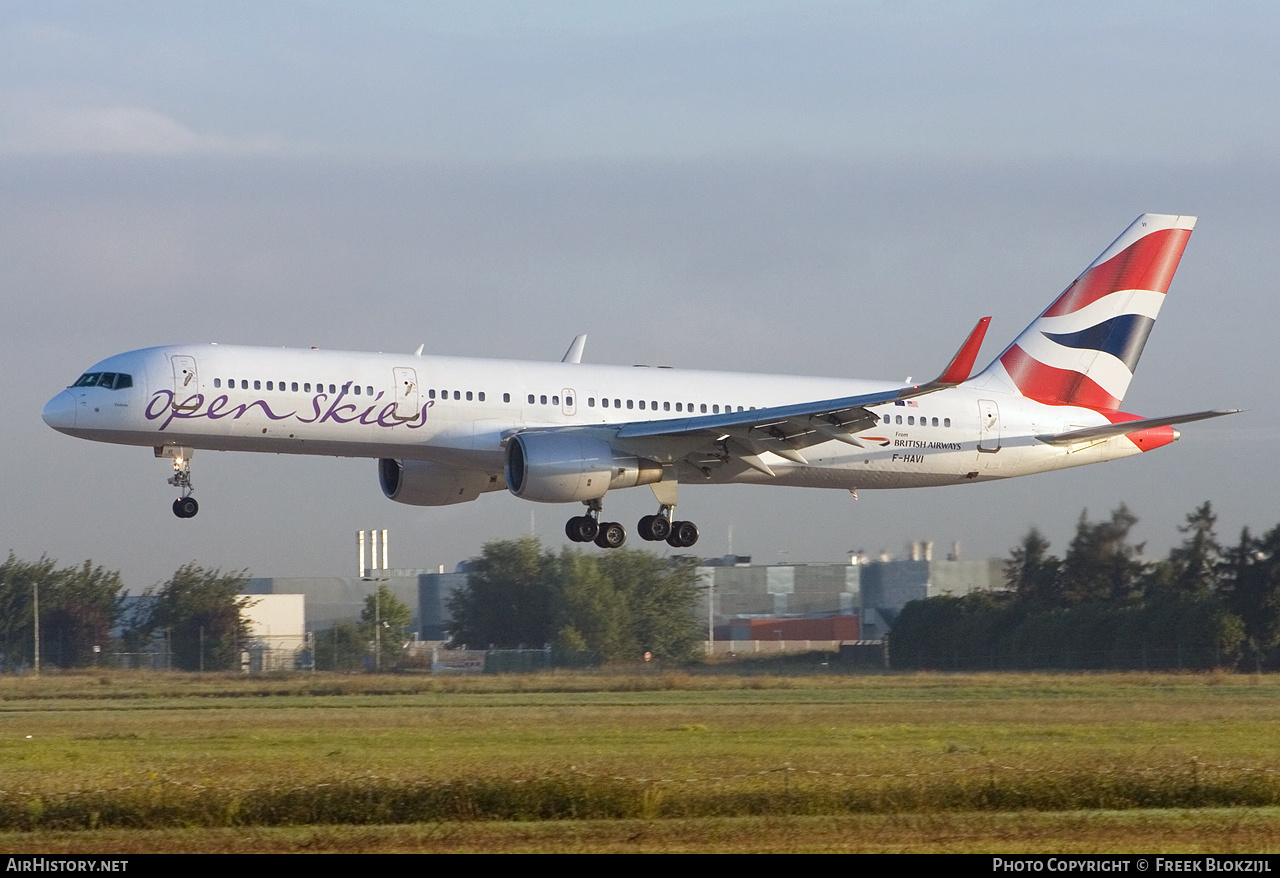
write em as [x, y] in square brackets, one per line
[744, 603]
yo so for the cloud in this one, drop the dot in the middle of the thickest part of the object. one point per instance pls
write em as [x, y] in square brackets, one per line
[33, 128]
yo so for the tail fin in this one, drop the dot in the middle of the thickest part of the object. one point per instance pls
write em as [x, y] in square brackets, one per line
[1085, 346]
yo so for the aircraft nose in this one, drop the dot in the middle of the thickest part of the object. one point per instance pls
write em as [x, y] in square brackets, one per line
[60, 412]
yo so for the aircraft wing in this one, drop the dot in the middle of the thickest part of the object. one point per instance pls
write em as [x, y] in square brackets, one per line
[1107, 431]
[785, 430]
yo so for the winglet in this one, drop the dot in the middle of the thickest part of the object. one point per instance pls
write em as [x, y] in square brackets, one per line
[961, 364]
[574, 354]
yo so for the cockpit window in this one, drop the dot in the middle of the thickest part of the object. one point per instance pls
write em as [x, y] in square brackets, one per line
[109, 380]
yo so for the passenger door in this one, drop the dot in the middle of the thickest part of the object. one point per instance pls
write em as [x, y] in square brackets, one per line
[407, 399]
[186, 383]
[988, 426]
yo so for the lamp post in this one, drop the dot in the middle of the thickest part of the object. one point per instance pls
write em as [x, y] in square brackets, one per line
[35, 609]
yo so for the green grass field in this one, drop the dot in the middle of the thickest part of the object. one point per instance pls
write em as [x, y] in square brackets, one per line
[652, 761]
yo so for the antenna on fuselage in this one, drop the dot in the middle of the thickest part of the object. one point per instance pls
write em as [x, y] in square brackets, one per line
[418, 352]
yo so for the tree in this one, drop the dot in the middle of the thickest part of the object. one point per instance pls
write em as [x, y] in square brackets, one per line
[619, 605]
[1101, 565]
[341, 647]
[78, 614]
[660, 596]
[1032, 574]
[78, 608]
[1251, 588]
[591, 614]
[508, 599]
[384, 620]
[1197, 563]
[201, 612]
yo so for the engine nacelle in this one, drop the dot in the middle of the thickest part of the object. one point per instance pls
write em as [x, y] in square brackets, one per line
[425, 483]
[569, 467]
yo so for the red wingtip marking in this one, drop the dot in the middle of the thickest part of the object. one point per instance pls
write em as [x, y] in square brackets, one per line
[962, 363]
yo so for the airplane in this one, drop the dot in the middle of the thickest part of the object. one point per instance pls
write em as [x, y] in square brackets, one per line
[445, 430]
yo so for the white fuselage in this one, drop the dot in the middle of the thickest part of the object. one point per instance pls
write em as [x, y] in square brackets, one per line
[459, 411]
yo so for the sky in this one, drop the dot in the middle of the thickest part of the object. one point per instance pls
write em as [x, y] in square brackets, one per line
[836, 189]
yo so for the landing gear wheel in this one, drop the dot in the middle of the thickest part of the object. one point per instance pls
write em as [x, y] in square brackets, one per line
[611, 535]
[185, 507]
[582, 528]
[683, 534]
[659, 528]
[645, 527]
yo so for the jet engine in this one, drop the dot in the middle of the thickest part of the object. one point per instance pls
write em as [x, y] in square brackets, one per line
[424, 483]
[555, 467]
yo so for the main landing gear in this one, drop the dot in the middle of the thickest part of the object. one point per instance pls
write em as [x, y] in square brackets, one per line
[186, 505]
[610, 535]
[590, 529]
[660, 527]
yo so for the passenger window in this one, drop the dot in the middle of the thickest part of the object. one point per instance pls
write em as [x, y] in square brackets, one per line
[481, 395]
[531, 399]
[333, 388]
[946, 422]
[642, 405]
[506, 397]
[457, 394]
[679, 406]
[368, 390]
[703, 408]
[306, 388]
[629, 403]
[604, 402]
[653, 404]
[715, 410]
[294, 387]
[431, 394]
[555, 400]
[568, 400]
[468, 396]
[543, 399]
[935, 422]
[357, 389]
[591, 402]
[898, 420]
[257, 385]
[244, 383]
[617, 403]
[666, 406]
[911, 420]
[217, 382]
[269, 387]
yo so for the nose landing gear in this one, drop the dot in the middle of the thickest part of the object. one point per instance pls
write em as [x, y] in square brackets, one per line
[185, 506]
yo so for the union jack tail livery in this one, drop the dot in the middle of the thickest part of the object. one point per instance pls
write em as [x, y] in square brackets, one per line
[1084, 348]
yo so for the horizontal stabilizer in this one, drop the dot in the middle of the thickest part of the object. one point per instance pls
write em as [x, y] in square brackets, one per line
[1093, 434]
